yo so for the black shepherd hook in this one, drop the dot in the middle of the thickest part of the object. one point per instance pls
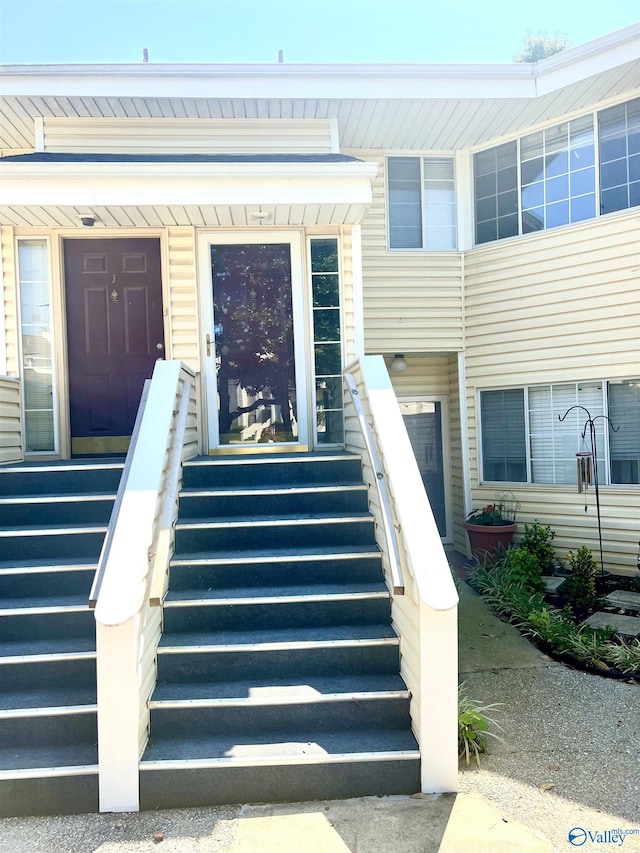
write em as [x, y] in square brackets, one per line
[590, 424]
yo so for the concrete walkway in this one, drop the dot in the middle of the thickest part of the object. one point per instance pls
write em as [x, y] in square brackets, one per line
[569, 762]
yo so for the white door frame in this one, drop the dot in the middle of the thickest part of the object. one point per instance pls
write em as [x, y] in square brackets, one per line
[219, 238]
[443, 399]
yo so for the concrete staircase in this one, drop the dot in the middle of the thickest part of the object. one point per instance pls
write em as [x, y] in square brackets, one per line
[278, 667]
[52, 523]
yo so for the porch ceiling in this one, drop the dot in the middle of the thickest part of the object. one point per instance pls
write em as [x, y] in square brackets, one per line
[199, 215]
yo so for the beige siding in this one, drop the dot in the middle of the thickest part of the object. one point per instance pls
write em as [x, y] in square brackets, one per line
[562, 306]
[187, 136]
[10, 300]
[348, 310]
[11, 449]
[424, 375]
[183, 296]
[412, 300]
[150, 634]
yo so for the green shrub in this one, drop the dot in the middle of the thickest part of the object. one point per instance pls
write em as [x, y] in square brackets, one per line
[537, 540]
[525, 567]
[581, 586]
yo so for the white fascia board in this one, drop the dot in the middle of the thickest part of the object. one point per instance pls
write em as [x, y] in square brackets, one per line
[325, 81]
[94, 191]
[198, 170]
[260, 82]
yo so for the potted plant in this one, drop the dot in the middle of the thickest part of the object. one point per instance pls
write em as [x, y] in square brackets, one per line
[491, 528]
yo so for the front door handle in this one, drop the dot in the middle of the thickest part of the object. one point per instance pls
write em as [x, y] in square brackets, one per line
[208, 344]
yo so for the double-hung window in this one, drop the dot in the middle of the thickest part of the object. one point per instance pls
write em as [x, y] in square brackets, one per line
[422, 203]
[524, 440]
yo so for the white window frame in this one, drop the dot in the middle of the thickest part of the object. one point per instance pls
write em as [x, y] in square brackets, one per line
[422, 156]
[55, 451]
[604, 470]
[544, 127]
[313, 416]
[294, 239]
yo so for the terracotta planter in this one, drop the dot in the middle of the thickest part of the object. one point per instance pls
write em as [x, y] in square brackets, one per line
[488, 539]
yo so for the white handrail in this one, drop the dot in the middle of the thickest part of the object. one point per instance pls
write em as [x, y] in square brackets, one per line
[425, 617]
[128, 629]
[115, 512]
[161, 555]
[387, 519]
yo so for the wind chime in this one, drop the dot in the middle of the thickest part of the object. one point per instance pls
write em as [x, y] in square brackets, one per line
[584, 460]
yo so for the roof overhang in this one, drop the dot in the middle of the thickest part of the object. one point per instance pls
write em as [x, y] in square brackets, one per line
[334, 193]
[294, 80]
[426, 106]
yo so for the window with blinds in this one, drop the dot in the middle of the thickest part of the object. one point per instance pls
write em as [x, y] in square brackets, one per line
[504, 448]
[533, 434]
[36, 334]
[624, 441]
[422, 203]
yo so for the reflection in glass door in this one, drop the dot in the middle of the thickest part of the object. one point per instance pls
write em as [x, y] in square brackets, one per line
[254, 343]
[423, 421]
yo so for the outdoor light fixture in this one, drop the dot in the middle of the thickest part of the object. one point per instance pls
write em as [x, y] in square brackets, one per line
[399, 364]
[261, 215]
[88, 220]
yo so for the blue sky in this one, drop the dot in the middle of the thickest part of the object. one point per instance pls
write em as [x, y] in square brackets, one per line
[58, 31]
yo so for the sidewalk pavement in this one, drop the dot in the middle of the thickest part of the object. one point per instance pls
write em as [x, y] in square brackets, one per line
[569, 761]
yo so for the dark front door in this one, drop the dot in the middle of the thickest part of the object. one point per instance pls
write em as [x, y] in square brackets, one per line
[114, 336]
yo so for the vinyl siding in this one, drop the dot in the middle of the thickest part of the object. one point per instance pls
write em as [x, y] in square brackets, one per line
[150, 622]
[10, 301]
[187, 136]
[348, 310]
[184, 333]
[561, 306]
[412, 299]
[11, 449]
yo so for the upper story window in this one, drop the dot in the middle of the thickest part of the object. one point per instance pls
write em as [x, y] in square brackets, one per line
[619, 135]
[422, 203]
[558, 176]
[548, 178]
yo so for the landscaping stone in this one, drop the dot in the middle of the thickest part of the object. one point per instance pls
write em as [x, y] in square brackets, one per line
[626, 626]
[553, 584]
[624, 599]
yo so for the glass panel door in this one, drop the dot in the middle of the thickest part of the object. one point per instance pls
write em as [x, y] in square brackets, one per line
[254, 343]
[423, 421]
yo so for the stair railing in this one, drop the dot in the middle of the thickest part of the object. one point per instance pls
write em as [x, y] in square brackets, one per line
[390, 535]
[134, 560]
[425, 617]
